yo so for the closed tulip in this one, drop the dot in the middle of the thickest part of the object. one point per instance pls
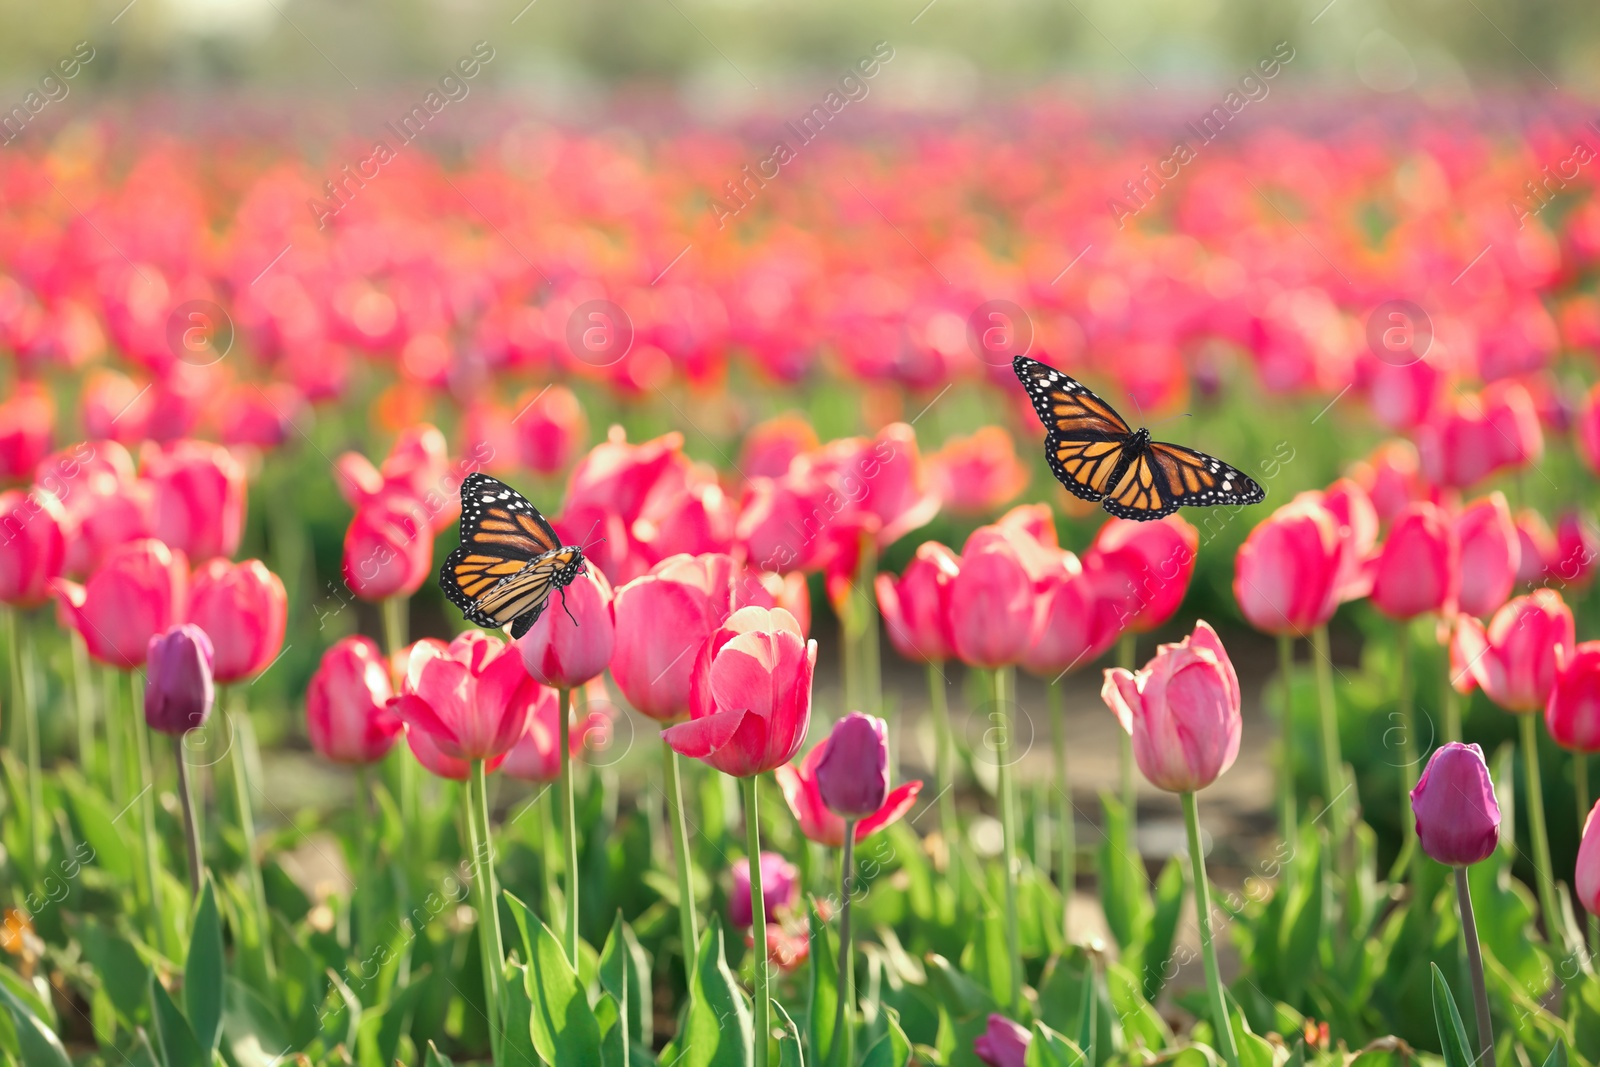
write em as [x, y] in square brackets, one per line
[883, 477]
[1586, 429]
[1490, 554]
[388, 549]
[1514, 660]
[1586, 875]
[853, 773]
[818, 821]
[1577, 548]
[1391, 477]
[1003, 1043]
[1153, 560]
[139, 591]
[1286, 574]
[1182, 711]
[199, 497]
[976, 475]
[1458, 817]
[550, 428]
[33, 547]
[1077, 621]
[244, 609]
[472, 701]
[770, 447]
[1572, 713]
[347, 713]
[27, 418]
[696, 521]
[781, 521]
[991, 605]
[536, 757]
[1357, 518]
[566, 650]
[1536, 547]
[750, 695]
[916, 609]
[178, 690]
[1418, 569]
[780, 888]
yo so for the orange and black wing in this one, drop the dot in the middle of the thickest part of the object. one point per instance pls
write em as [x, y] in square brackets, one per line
[506, 549]
[1164, 477]
[1086, 439]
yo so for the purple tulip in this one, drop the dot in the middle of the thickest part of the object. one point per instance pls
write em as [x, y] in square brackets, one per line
[1003, 1044]
[853, 773]
[1458, 817]
[780, 888]
[178, 689]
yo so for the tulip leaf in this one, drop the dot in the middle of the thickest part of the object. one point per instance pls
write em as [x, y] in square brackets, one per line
[36, 1042]
[396, 1013]
[1171, 889]
[1558, 1055]
[625, 974]
[1050, 1049]
[438, 1059]
[564, 1028]
[1124, 892]
[823, 1003]
[250, 1025]
[788, 1040]
[717, 1029]
[1300, 950]
[202, 972]
[1088, 1015]
[986, 959]
[893, 1049]
[516, 1019]
[96, 822]
[121, 970]
[1452, 1033]
[1141, 1022]
[179, 1047]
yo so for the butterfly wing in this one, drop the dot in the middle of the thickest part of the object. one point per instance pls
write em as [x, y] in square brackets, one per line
[1164, 477]
[507, 550]
[1086, 439]
[497, 519]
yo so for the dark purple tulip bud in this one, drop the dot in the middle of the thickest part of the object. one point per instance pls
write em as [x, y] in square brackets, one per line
[1003, 1044]
[177, 688]
[1458, 817]
[853, 773]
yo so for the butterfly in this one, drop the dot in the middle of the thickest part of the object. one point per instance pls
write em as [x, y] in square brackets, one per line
[1094, 453]
[509, 560]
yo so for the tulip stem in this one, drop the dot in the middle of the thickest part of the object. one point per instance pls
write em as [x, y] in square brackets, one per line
[1008, 827]
[1067, 875]
[569, 819]
[1127, 652]
[20, 652]
[1202, 906]
[83, 704]
[1480, 994]
[688, 923]
[367, 829]
[191, 831]
[758, 919]
[1555, 930]
[1452, 711]
[244, 748]
[844, 1031]
[943, 757]
[395, 626]
[1286, 798]
[147, 816]
[489, 943]
[1332, 759]
[116, 736]
[1408, 730]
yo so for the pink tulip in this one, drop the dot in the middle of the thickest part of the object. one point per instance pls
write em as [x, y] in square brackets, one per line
[802, 792]
[1391, 478]
[916, 608]
[1586, 429]
[1035, 520]
[141, 590]
[565, 650]
[416, 472]
[263, 416]
[347, 713]
[33, 546]
[244, 609]
[976, 475]
[536, 757]
[750, 695]
[388, 549]
[770, 447]
[472, 701]
[780, 888]
[1078, 621]
[1572, 713]
[1515, 660]
[437, 763]
[27, 419]
[1153, 561]
[1418, 570]
[1287, 571]
[782, 521]
[1577, 548]
[1003, 1043]
[199, 498]
[1490, 554]
[550, 428]
[620, 477]
[105, 502]
[882, 477]
[698, 520]
[1586, 874]
[1353, 510]
[991, 606]
[1182, 711]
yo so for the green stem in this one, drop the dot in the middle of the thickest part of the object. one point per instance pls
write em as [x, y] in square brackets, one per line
[758, 919]
[191, 832]
[1127, 652]
[688, 922]
[1452, 711]
[1580, 784]
[943, 755]
[1555, 929]
[147, 816]
[1286, 798]
[547, 844]
[1332, 758]
[1480, 994]
[1202, 905]
[116, 736]
[83, 705]
[844, 1031]
[1066, 873]
[22, 701]
[569, 820]
[871, 665]
[395, 626]
[1008, 828]
[243, 754]
[1408, 729]
[367, 832]
[489, 943]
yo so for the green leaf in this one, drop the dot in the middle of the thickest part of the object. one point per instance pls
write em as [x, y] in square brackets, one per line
[1124, 892]
[962, 997]
[823, 967]
[39, 1046]
[1088, 1017]
[1050, 1049]
[1171, 889]
[893, 1049]
[121, 970]
[789, 1052]
[1558, 1055]
[563, 1026]
[253, 1032]
[516, 1018]
[1301, 946]
[202, 973]
[174, 1037]
[95, 820]
[437, 1058]
[986, 959]
[1141, 1022]
[1452, 1034]
[717, 1030]
[397, 1011]
[625, 969]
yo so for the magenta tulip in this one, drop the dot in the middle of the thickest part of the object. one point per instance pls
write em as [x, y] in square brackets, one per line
[1418, 569]
[141, 590]
[178, 690]
[1153, 561]
[853, 773]
[536, 757]
[388, 549]
[1514, 660]
[991, 606]
[1003, 1043]
[1572, 713]
[780, 888]
[33, 546]
[472, 701]
[1490, 554]
[1286, 575]
[347, 713]
[1078, 621]
[1182, 711]
[820, 823]
[199, 497]
[1586, 874]
[1458, 817]
[915, 609]
[244, 609]
[550, 428]
[573, 640]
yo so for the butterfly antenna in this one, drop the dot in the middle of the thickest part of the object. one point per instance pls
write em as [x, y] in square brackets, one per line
[1169, 418]
[565, 608]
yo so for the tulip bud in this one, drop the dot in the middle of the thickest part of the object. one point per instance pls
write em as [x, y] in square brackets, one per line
[853, 774]
[1573, 711]
[780, 888]
[1418, 570]
[1003, 1044]
[1458, 817]
[177, 689]
[388, 549]
[1586, 875]
[346, 713]
[573, 640]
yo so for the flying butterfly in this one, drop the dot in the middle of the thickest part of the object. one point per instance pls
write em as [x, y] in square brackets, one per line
[1098, 457]
[509, 561]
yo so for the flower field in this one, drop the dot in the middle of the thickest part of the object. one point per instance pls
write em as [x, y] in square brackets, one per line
[782, 771]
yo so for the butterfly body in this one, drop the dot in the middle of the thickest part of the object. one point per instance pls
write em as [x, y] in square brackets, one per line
[1098, 457]
[509, 561]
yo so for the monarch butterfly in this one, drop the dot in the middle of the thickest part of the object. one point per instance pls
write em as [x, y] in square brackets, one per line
[509, 560]
[1095, 454]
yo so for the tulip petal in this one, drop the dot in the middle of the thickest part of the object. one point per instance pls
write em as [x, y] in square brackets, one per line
[900, 800]
[419, 716]
[699, 738]
[1120, 691]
